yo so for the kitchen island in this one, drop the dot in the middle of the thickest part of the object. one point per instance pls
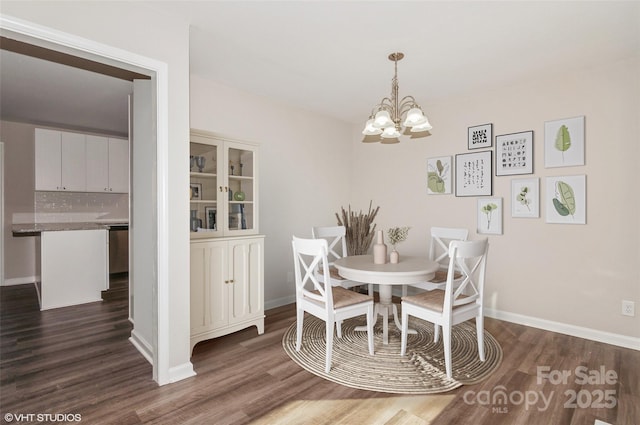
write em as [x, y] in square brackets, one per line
[73, 261]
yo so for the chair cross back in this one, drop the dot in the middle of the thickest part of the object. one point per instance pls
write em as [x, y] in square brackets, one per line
[311, 255]
[335, 237]
[460, 254]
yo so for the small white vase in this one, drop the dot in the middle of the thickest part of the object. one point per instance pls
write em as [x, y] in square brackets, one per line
[394, 257]
[379, 250]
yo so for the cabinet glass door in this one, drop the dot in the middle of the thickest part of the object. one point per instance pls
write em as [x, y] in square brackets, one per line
[204, 181]
[241, 214]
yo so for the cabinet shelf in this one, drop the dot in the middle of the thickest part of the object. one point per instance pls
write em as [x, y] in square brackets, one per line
[203, 201]
[198, 174]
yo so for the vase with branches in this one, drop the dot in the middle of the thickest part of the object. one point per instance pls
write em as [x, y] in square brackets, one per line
[359, 229]
[395, 235]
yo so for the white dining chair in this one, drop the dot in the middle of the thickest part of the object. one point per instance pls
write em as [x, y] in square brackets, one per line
[337, 244]
[439, 252]
[326, 302]
[448, 307]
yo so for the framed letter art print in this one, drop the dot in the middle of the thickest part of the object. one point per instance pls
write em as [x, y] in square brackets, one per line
[480, 136]
[473, 174]
[514, 154]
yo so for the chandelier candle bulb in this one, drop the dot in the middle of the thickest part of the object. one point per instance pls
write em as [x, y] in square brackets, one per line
[379, 249]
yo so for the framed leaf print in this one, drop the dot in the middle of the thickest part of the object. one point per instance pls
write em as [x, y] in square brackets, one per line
[566, 200]
[439, 175]
[490, 216]
[564, 142]
[525, 198]
[480, 136]
[514, 153]
[473, 174]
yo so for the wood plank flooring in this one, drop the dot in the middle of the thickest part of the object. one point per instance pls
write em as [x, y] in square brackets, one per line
[77, 360]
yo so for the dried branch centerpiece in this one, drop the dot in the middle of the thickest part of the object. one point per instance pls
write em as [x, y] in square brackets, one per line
[359, 229]
[395, 235]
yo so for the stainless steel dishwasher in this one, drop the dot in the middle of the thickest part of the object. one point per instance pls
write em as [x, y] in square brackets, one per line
[118, 249]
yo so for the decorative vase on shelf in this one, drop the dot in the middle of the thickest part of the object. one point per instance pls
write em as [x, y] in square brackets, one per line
[195, 221]
[379, 249]
[394, 257]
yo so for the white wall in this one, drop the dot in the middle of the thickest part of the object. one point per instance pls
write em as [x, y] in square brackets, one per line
[570, 274]
[304, 169]
[137, 29]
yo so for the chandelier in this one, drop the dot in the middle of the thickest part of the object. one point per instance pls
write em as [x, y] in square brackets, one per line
[386, 116]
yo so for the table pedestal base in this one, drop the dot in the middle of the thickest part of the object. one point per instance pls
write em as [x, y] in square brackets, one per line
[383, 308]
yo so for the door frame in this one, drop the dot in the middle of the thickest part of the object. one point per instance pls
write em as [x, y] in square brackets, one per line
[58, 40]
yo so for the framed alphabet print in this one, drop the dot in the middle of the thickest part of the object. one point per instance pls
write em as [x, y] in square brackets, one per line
[473, 174]
[564, 142]
[514, 153]
[525, 198]
[480, 136]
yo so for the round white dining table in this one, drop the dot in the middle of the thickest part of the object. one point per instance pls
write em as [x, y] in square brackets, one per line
[408, 270]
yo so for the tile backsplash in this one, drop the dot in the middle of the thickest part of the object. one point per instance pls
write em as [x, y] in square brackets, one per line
[75, 206]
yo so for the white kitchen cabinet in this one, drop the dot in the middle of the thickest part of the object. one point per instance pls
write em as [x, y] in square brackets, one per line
[60, 161]
[107, 164]
[73, 267]
[118, 165]
[227, 286]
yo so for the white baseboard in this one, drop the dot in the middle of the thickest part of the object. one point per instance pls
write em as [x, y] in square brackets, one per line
[564, 328]
[20, 280]
[279, 302]
[142, 346]
[183, 371]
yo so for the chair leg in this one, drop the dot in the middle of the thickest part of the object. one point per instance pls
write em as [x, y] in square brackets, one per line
[405, 331]
[300, 318]
[329, 328]
[480, 332]
[370, 328]
[446, 336]
[436, 332]
[339, 328]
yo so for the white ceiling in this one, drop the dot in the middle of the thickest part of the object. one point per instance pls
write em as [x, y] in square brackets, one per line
[331, 56]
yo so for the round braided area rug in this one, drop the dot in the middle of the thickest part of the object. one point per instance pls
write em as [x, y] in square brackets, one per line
[421, 371]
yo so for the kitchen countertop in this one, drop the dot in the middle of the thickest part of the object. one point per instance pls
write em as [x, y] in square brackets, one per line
[31, 229]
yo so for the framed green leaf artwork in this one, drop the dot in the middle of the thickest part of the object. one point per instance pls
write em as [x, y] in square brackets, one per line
[566, 199]
[564, 142]
[439, 175]
[489, 211]
[525, 198]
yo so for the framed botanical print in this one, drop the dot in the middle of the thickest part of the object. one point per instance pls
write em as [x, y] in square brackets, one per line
[525, 198]
[514, 153]
[473, 174]
[439, 175]
[566, 199]
[490, 216]
[564, 142]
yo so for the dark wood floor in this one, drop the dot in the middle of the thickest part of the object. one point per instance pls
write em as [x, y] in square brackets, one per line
[77, 360]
